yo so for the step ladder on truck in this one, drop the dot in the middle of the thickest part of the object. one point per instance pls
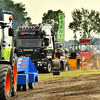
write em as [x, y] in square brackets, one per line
[27, 73]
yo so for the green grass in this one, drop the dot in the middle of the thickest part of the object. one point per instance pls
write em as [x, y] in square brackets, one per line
[68, 74]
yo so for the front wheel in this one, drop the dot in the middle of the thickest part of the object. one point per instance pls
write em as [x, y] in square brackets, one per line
[49, 66]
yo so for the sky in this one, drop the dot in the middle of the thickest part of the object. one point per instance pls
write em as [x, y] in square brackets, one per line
[36, 9]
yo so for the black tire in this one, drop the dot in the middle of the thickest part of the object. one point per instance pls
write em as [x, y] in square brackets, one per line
[14, 75]
[31, 85]
[96, 62]
[64, 67]
[5, 81]
[49, 66]
[18, 87]
[78, 63]
[25, 87]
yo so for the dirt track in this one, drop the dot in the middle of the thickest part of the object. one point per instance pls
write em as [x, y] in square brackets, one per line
[83, 87]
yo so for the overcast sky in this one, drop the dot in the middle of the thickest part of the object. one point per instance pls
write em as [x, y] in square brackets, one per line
[36, 8]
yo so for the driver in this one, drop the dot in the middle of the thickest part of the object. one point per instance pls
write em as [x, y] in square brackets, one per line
[58, 54]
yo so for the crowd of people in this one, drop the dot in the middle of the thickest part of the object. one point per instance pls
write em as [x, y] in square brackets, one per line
[58, 53]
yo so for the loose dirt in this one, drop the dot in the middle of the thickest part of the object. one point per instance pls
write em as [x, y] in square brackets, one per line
[82, 87]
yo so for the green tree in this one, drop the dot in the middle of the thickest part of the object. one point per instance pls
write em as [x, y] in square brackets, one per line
[85, 22]
[51, 17]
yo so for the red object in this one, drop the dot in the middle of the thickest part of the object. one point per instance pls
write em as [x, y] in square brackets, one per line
[8, 83]
[15, 74]
[86, 54]
[85, 40]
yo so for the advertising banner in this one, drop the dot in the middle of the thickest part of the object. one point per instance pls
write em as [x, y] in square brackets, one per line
[61, 27]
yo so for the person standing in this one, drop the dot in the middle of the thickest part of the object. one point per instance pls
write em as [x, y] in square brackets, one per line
[73, 55]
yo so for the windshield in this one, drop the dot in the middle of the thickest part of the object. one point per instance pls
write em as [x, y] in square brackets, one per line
[29, 43]
[75, 47]
[86, 47]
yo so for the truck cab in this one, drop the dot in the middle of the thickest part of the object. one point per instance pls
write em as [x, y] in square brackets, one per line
[35, 41]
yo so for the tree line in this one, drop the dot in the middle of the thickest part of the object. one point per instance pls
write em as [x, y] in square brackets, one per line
[84, 22]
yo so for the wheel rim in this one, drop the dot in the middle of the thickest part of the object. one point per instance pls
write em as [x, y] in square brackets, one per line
[8, 83]
[15, 74]
[49, 67]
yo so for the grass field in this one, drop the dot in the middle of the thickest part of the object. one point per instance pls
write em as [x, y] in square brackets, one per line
[68, 74]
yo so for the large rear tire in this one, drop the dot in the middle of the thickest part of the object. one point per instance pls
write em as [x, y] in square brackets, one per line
[5, 81]
[14, 75]
[95, 60]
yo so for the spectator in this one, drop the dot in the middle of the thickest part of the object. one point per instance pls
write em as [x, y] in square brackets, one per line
[73, 55]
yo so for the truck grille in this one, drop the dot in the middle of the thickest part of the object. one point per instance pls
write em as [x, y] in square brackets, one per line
[35, 56]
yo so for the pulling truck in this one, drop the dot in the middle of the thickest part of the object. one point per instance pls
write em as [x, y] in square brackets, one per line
[37, 42]
[87, 58]
[8, 67]
[90, 58]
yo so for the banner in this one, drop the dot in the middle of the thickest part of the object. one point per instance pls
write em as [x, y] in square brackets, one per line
[61, 27]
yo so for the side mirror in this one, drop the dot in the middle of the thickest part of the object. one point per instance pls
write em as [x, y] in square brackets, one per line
[11, 32]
